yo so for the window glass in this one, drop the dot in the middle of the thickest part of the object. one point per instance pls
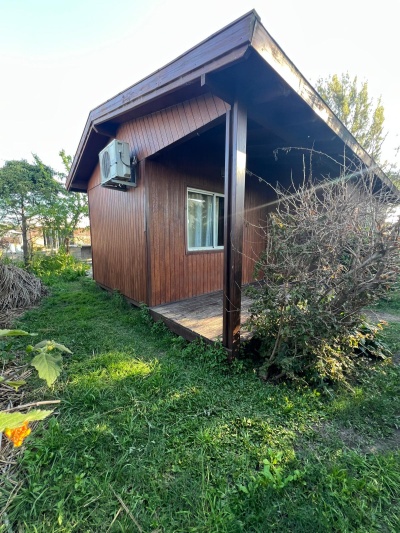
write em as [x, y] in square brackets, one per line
[219, 201]
[200, 220]
[205, 222]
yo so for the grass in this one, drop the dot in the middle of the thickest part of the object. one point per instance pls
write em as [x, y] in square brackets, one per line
[151, 423]
[389, 304]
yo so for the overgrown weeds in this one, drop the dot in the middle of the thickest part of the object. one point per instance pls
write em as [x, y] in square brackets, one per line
[52, 268]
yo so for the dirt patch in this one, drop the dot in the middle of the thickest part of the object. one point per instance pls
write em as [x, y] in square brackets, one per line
[379, 316]
[352, 440]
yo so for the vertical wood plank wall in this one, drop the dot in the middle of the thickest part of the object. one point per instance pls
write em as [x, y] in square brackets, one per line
[256, 208]
[117, 223]
[175, 273]
[147, 260]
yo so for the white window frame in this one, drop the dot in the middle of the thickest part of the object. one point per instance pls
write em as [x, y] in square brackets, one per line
[214, 195]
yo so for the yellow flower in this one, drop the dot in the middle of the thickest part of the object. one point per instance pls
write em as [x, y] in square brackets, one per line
[17, 435]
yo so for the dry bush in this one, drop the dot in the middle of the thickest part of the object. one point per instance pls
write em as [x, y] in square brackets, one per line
[19, 290]
[330, 251]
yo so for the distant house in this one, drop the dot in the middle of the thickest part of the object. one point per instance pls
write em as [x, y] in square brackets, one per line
[189, 227]
[44, 239]
[41, 239]
[10, 241]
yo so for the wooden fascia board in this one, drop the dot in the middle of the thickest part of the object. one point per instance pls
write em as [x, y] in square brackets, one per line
[195, 75]
[274, 56]
[78, 155]
[188, 66]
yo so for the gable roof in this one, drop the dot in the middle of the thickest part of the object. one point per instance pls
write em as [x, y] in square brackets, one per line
[241, 60]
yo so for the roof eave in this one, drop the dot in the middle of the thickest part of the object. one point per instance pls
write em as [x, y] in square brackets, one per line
[219, 50]
[264, 44]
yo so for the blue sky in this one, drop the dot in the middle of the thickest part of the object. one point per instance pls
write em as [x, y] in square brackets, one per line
[59, 59]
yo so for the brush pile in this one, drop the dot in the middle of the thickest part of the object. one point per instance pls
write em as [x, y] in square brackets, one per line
[19, 290]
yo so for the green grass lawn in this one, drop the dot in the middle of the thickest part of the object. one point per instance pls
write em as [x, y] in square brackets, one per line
[389, 304]
[190, 446]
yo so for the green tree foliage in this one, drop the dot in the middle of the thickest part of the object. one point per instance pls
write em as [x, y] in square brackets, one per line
[63, 216]
[26, 191]
[34, 195]
[351, 103]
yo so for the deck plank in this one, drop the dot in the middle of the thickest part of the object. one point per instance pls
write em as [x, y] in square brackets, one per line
[199, 316]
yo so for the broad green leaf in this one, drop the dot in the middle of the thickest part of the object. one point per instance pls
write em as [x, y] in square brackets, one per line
[14, 384]
[15, 420]
[15, 333]
[48, 366]
[51, 345]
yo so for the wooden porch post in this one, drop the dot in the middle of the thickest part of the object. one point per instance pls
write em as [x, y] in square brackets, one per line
[235, 173]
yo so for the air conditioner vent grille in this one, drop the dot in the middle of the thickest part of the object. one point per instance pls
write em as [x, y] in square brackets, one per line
[106, 165]
[117, 167]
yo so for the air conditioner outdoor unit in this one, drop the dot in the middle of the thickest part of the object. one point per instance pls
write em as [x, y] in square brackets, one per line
[117, 170]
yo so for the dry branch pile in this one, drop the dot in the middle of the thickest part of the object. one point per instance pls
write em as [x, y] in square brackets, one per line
[19, 290]
[330, 252]
[9, 397]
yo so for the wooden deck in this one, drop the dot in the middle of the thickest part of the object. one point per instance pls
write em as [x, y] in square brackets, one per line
[200, 316]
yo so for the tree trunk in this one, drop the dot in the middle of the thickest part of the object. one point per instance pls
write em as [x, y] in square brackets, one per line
[66, 244]
[25, 243]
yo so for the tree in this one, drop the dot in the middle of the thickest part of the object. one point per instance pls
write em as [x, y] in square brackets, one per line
[329, 253]
[68, 209]
[353, 106]
[26, 190]
[34, 195]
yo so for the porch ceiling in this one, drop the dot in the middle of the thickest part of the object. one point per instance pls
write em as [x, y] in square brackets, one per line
[278, 117]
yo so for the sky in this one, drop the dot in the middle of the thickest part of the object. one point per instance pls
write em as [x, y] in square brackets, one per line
[61, 58]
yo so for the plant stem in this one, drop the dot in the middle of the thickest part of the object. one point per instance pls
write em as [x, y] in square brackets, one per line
[34, 404]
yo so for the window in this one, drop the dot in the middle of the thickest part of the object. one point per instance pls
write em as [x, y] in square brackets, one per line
[205, 221]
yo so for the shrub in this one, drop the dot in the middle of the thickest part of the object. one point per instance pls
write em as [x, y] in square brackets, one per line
[56, 266]
[329, 253]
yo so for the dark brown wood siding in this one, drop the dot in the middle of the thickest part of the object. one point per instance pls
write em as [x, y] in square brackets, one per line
[150, 134]
[148, 261]
[175, 273]
[256, 207]
[117, 221]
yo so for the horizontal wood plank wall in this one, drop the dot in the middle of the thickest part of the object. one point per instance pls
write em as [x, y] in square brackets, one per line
[175, 273]
[117, 222]
[149, 134]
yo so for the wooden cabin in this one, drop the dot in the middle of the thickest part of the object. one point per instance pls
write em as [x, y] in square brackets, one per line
[200, 130]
